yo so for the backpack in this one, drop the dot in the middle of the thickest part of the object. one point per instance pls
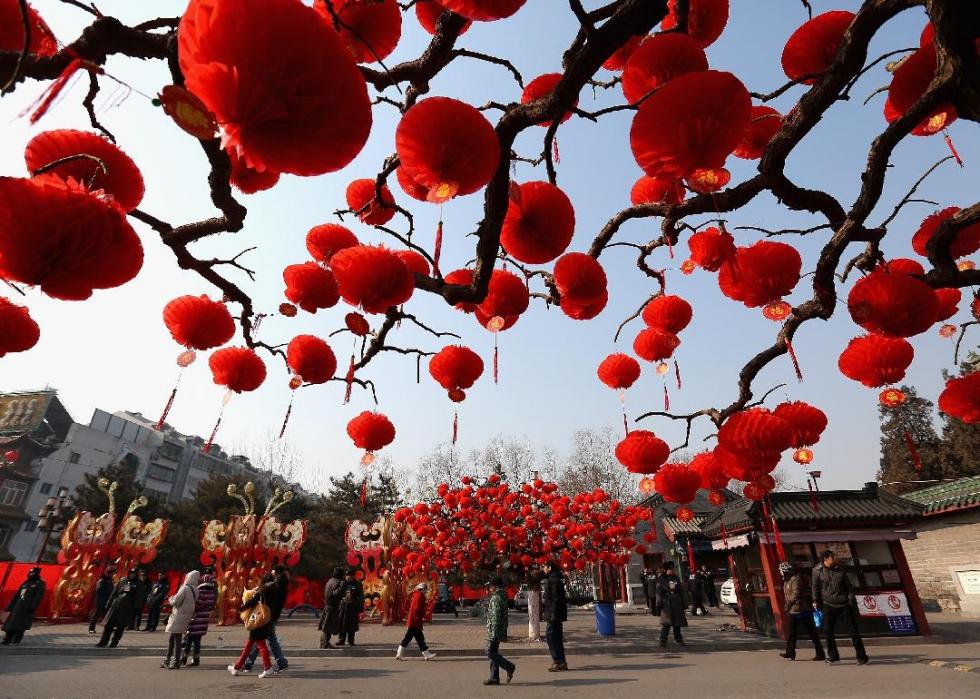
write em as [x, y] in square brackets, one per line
[258, 616]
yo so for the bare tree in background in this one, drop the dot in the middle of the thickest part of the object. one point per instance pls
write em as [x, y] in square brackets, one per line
[513, 458]
[279, 457]
[592, 464]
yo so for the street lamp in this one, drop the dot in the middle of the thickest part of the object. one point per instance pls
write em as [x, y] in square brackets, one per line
[53, 517]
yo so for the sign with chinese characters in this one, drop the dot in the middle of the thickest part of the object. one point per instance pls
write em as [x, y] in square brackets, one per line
[969, 581]
[894, 606]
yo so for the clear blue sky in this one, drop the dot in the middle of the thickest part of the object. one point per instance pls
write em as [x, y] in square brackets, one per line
[114, 353]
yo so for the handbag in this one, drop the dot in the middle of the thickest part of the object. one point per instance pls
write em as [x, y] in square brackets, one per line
[258, 616]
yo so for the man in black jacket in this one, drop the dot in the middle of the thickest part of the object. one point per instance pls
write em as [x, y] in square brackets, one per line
[121, 605]
[834, 596]
[103, 590]
[142, 593]
[554, 610]
[154, 602]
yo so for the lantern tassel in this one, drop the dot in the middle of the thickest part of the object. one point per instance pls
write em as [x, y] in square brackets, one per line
[455, 425]
[289, 411]
[913, 452]
[666, 398]
[780, 551]
[364, 493]
[677, 374]
[554, 150]
[813, 497]
[170, 401]
[796, 363]
[690, 556]
[48, 97]
[214, 432]
[670, 246]
[724, 535]
[438, 247]
[496, 361]
[952, 148]
[349, 380]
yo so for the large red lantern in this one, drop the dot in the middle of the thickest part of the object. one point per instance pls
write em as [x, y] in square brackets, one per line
[619, 371]
[756, 435]
[677, 483]
[659, 59]
[579, 277]
[961, 398]
[876, 360]
[197, 322]
[416, 262]
[369, 28]
[965, 242]
[666, 312]
[647, 190]
[806, 421]
[428, 13]
[706, 19]
[763, 125]
[909, 82]
[311, 359]
[363, 201]
[812, 48]
[237, 368]
[655, 345]
[897, 305]
[711, 248]
[761, 273]
[371, 277]
[903, 265]
[371, 431]
[456, 369]
[947, 303]
[447, 146]
[541, 87]
[709, 469]
[325, 240]
[694, 121]
[539, 223]
[248, 180]
[108, 168]
[303, 111]
[18, 331]
[483, 10]
[43, 42]
[507, 298]
[57, 235]
[310, 286]
[410, 186]
[641, 451]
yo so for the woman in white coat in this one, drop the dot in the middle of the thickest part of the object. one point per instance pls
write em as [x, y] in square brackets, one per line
[181, 612]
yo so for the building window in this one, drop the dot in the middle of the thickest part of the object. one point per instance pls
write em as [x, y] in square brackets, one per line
[46, 488]
[74, 457]
[12, 493]
[171, 451]
[160, 473]
[4, 536]
[30, 525]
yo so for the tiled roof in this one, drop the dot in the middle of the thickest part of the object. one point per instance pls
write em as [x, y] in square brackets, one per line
[955, 495]
[692, 526]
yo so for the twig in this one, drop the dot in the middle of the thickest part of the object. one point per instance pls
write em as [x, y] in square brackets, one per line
[634, 316]
[26, 48]
[956, 350]
[466, 53]
[907, 199]
[784, 231]
[89, 104]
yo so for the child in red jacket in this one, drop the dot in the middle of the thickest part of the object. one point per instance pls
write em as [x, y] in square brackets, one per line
[415, 621]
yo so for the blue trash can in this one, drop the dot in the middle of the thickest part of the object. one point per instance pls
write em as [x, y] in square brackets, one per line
[605, 618]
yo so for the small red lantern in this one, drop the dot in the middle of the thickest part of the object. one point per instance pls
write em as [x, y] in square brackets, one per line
[646, 485]
[197, 322]
[357, 324]
[653, 345]
[966, 265]
[711, 248]
[641, 451]
[947, 331]
[707, 180]
[311, 358]
[11, 455]
[876, 360]
[687, 267]
[188, 112]
[310, 286]
[716, 498]
[803, 456]
[325, 240]
[649, 190]
[363, 201]
[237, 368]
[891, 397]
[669, 313]
[619, 371]
[684, 514]
[777, 310]
[287, 309]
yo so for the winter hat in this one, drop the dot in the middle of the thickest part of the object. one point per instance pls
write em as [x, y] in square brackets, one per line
[497, 582]
[785, 567]
[421, 586]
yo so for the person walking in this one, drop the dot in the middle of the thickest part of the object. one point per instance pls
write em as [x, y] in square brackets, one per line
[650, 589]
[554, 611]
[709, 586]
[696, 589]
[415, 622]
[22, 607]
[182, 606]
[350, 609]
[333, 592]
[275, 587]
[671, 605]
[207, 597]
[103, 590]
[834, 596]
[497, 618]
[797, 601]
[120, 614]
[257, 617]
[142, 593]
[534, 604]
[154, 601]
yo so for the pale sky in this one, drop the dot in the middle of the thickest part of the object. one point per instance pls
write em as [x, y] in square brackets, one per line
[113, 351]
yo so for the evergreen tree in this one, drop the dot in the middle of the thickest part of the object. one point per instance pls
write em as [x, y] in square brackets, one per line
[961, 442]
[89, 497]
[910, 421]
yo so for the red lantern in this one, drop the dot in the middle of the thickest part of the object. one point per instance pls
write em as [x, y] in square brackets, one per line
[371, 431]
[619, 371]
[197, 322]
[707, 180]
[777, 310]
[374, 278]
[428, 13]
[711, 248]
[896, 305]
[327, 239]
[369, 28]
[57, 235]
[648, 190]
[709, 469]
[813, 47]
[670, 313]
[803, 456]
[641, 451]
[507, 298]
[754, 491]
[756, 435]
[965, 242]
[456, 368]
[584, 308]
[761, 273]
[310, 286]
[447, 146]
[43, 42]
[11, 456]
[677, 483]
[304, 111]
[539, 223]
[653, 344]
[483, 10]
[763, 125]
[247, 179]
[237, 368]
[909, 82]
[579, 277]
[716, 498]
[876, 360]
[706, 19]
[806, 421]
[357, 324]
[311, 358]
[362, 200]
[416, 263]
[18, 331]
[891, 397]
[646, 486]
[694, 121]
[684, 514]
[903, 265]
[462, 277]
[114, 172]
[659, 59]
[541, 87]
[947, 301]
[961, 398]
[621, 56]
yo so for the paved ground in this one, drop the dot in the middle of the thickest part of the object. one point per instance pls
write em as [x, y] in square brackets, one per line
[893, 673]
